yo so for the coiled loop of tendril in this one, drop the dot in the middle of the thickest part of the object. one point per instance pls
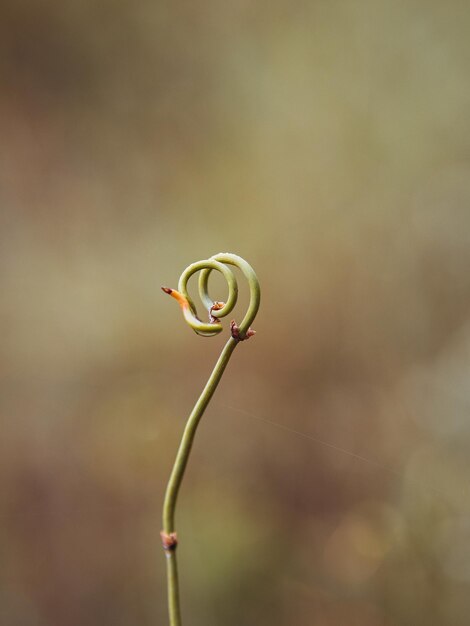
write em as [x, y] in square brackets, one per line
[217, 310]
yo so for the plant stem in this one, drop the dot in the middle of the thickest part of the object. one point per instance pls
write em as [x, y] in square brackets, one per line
[174, 612]
[216, 310]
[177, 474]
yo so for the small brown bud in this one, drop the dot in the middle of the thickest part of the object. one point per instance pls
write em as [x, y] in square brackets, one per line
[169, 540]
[235, 330]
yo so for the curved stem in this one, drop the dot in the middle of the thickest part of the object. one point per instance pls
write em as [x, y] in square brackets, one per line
[188, 437]
[174, 483]
[216, 311]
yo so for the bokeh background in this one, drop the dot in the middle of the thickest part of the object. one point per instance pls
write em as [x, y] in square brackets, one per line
[326, 142]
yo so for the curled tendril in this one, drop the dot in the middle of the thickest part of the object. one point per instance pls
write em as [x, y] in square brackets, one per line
[217, 310]
[222, 263]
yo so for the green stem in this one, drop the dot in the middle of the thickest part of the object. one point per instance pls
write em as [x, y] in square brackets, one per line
[173, 588]
[177, 474]
[216, 310]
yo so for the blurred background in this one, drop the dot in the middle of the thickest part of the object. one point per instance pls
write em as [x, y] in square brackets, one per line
[328, 144]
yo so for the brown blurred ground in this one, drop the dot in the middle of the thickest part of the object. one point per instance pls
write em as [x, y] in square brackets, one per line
[326, 142]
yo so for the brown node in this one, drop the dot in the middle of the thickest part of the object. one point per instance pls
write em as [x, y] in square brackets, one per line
[235, 330]
[215, 307]
[169, 540]
[167, 290]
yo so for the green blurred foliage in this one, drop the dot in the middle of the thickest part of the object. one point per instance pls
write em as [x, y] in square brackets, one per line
[328, 144]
